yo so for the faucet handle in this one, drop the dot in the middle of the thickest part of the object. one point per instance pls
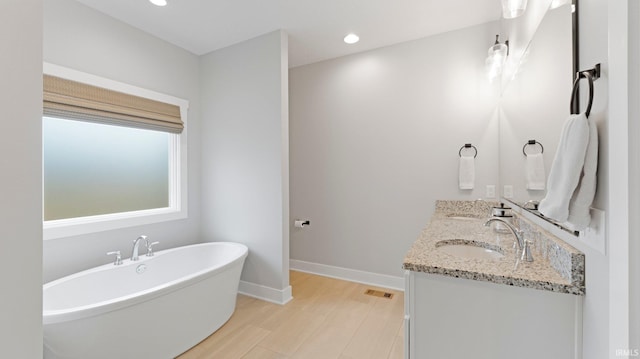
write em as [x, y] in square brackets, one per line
[531, 204]
[526, 251]
[150, 247]
[118, 260]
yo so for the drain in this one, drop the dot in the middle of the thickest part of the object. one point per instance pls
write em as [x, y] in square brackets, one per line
[377, 293]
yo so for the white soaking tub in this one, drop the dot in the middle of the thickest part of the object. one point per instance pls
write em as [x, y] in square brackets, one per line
[157, 307]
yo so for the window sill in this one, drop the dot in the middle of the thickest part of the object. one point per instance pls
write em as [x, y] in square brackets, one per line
[84, 225]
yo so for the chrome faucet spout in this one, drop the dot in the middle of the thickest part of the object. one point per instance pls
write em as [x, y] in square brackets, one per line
[517, 233]
[136, 243]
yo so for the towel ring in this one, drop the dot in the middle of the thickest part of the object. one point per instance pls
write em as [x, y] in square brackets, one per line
[532, 143]
[468, 145]
[590, 75]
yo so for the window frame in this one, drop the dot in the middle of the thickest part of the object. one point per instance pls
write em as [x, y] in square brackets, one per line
[178, 205]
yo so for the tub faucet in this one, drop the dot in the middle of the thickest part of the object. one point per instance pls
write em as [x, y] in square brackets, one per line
[136, 243]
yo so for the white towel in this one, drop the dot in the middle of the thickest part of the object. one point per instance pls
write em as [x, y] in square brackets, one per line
[467, 172]
[534, 171]
[580, 204]
[566, 168]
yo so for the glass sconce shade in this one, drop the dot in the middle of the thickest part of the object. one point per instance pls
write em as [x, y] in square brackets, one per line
[513, 8]
[496, 57]
[498, 51]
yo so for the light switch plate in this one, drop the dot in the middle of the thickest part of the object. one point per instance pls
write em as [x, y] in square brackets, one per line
[508, 191]
[491, 191]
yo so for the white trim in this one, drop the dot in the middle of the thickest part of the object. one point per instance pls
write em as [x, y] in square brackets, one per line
[352, 275]
[177, 181]
[91, 224]
[617, 72]
[578, 327]
[277, 296]
[409, 308]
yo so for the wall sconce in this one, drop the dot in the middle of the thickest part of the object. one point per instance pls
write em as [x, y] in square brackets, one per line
[513, 8]
[497, 56]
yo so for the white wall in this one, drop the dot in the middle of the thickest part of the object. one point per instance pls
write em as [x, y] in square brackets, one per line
[245, 156]
[83, 39]
[374, 142]
[20, 182]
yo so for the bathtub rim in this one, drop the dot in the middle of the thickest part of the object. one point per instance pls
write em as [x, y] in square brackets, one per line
[98, 308]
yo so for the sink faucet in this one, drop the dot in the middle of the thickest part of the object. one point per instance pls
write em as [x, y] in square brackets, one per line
[136, 243]
[517, 233]
[523, 244]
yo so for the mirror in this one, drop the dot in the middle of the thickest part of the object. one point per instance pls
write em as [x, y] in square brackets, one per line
[536, 91]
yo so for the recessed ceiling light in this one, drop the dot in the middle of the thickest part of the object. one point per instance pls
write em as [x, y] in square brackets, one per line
[351, 38]
[159, 2]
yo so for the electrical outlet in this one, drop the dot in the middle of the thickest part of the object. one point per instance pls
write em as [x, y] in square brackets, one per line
[508, 191]
[491, 191]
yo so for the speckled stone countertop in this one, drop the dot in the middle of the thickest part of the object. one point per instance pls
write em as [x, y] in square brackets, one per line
[557, 266]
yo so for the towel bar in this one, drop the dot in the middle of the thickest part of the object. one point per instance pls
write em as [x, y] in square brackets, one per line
[468, 145]
[531, 143]
[591, 75]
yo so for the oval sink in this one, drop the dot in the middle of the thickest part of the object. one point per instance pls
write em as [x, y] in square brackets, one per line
[469, 249]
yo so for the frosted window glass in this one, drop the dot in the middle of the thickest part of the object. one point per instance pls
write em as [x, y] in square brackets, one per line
[92, 169]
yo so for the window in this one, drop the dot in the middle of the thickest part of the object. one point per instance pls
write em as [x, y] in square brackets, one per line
[105, 166]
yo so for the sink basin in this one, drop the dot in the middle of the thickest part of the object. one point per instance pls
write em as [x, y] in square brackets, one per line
[463, 248]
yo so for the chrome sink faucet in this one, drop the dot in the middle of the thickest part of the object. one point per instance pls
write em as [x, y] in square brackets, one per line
[516, 232]
[136, 243]
[523, 249]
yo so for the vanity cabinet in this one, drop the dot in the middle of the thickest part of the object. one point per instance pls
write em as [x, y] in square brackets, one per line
[455, 318]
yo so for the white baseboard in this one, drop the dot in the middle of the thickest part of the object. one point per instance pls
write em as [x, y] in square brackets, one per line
[277, 296]
[352, 275]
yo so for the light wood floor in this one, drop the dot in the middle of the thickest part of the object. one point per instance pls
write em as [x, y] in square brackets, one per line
[326, 319]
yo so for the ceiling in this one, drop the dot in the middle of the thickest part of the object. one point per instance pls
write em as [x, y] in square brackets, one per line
[315, 27]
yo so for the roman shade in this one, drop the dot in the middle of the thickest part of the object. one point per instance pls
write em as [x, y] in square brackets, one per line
[79, 101]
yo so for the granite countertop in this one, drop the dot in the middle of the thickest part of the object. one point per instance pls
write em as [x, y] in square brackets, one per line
[557, 267]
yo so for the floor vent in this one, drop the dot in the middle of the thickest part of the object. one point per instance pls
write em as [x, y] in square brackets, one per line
[377, 293]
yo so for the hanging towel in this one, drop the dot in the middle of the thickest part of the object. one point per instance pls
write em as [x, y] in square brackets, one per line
[566, 168]
[534, 171]
[467, 172]
[579, 215]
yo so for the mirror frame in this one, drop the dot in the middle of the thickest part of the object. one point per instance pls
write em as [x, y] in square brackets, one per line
[575, 107]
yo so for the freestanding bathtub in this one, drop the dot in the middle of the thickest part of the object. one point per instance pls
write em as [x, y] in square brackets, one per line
[157, 307]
